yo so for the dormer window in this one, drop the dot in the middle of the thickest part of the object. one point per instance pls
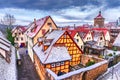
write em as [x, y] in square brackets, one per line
[53, 65]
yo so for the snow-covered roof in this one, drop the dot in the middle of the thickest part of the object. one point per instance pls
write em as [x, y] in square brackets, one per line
[117, 41]
[56, 54]
[21, 28]
[37, 25]
[52, 51]
[8, 70]
[4, 47]
[4, 43]
[3, 38]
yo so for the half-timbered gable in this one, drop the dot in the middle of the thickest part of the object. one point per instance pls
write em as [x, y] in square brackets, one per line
[57, 51]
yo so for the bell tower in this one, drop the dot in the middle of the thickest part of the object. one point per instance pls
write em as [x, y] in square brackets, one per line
[99, 20]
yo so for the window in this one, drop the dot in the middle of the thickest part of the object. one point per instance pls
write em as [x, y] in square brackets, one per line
[52, 65]
[15, 34]
[77, 40]
[16, 38]
[100, 38]
[57, 64]
[19, 33]
[77, 35]
[81, 47]
[87, 38]
[21, 38]
[49, 24]
[62, 63]
[43, 31]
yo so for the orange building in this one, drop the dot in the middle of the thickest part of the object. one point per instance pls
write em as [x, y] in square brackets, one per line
[99, 20]
[56, 51]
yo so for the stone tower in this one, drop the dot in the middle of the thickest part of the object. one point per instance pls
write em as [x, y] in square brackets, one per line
[99, 20]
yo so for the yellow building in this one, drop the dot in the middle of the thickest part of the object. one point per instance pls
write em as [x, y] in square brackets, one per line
[19, 36]
[37, 29]
[56, 51]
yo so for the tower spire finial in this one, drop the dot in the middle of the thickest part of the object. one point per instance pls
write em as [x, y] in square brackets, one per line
[100, 12]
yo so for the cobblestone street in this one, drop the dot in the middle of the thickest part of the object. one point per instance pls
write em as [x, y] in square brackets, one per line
[27, 70]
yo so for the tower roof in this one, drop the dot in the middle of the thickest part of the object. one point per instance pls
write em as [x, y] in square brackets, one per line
[99, 15]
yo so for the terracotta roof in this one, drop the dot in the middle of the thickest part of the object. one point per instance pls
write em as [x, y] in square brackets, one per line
[104, 30]
[72, 32]
[83, 33]
[22, 28]
[35, 26]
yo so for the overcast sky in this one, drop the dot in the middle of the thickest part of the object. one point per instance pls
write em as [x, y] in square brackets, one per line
[63, 12]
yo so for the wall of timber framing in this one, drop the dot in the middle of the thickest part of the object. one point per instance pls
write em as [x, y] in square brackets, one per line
[72, 47]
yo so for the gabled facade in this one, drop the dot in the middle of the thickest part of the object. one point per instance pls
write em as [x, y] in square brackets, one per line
[106, 34]
[86, 35]
[79, 41]
[37, 29]
[99, 38]
[74, 34]
[56, 51]
[19, 36]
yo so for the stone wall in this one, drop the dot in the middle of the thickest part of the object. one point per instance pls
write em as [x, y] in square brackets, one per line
[94, 73]
[88, 73]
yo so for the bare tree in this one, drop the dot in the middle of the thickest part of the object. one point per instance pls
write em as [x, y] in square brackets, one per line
[8, 20]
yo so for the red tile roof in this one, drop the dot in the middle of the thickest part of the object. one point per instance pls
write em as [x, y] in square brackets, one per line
[104, 30]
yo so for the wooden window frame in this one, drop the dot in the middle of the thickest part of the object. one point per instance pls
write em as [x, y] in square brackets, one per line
[62, 63]
[53, 65]
[58, 64]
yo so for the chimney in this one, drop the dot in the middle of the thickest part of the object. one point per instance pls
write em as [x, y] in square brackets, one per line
[74, 26]
[35, 21]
